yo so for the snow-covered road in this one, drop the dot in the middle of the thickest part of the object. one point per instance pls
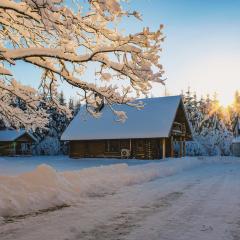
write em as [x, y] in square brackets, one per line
[200, 203]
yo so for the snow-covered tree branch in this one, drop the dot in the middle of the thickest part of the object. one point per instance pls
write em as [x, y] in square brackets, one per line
[20, 106]
[63, 40]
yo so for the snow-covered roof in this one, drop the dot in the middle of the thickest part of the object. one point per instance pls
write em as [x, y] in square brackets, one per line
[8, 135]
[154, 121]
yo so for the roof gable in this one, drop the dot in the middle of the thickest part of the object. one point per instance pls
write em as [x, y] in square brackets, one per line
[8, 135]
[154, 121]
[181, 116]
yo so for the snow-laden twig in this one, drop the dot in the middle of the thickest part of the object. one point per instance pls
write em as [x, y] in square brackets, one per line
[62, 41]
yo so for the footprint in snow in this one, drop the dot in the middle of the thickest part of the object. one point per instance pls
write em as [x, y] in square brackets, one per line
[207, 228]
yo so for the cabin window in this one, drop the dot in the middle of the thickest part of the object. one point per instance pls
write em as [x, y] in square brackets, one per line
[125, 144]
[140, 145]
[25, 147]
[112, 146]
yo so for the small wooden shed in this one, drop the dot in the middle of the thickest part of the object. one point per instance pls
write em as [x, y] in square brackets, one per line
[159, 130]
[236, 140]
[15, 142]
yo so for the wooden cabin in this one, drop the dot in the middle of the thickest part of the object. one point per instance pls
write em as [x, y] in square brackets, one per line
[236, 140]
[159, 130]
[15, 142]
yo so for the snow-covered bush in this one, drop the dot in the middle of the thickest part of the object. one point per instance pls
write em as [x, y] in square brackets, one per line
[193, 148]
[48, 146]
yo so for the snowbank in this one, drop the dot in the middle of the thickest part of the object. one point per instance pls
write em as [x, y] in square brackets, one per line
[45, 187]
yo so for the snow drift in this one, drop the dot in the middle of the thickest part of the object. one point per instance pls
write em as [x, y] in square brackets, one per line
[45, 187]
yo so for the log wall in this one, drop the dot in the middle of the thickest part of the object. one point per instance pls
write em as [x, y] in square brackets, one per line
[139, 148]
[14, 147]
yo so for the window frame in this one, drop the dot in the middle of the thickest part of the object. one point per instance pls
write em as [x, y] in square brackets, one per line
[112, 149]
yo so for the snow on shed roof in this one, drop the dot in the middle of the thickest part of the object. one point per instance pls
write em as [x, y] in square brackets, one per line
[155, 120]
[8, 135]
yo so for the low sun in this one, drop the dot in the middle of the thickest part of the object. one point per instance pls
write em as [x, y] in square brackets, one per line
[225, 100]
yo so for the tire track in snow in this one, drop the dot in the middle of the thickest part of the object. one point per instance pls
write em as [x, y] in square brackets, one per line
[204, 212]
[121, 225]
[154, 212]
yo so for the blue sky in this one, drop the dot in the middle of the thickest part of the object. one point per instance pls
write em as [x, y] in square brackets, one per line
[202, 47]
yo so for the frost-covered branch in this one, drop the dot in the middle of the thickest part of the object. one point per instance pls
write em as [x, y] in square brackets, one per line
[20, 106]
[63, 41]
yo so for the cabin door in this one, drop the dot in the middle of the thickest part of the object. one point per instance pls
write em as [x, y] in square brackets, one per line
[25, 148]
[86, 149]
[22, 148]
[160, 150]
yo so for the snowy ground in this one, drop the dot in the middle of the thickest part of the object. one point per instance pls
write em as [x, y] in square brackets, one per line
[17, 165]
[179, 199]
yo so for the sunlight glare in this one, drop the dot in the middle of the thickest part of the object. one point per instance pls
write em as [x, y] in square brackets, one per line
[225, 100]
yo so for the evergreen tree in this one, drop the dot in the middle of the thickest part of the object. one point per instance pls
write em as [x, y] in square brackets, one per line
[71, 105]
[58, 121]
[209, 126]
[236, 103]
[62, 100]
